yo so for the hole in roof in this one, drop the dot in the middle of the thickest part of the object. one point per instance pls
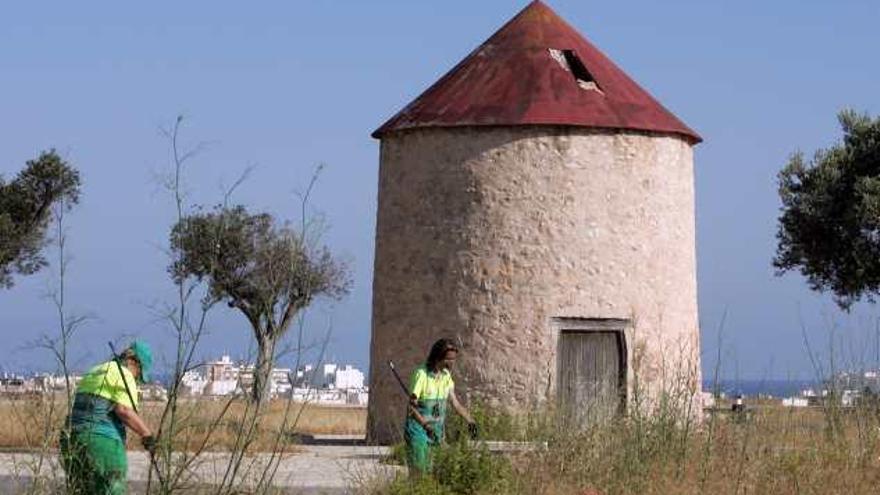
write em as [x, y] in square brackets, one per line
[570, 61]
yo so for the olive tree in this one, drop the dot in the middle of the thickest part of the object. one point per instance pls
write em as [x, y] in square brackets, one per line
[26, 205]
[829, 227]
[266, 270]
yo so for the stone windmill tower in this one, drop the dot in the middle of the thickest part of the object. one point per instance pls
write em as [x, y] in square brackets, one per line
[538, 205]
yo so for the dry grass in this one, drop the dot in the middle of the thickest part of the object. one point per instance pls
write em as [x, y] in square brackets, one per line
[31, 423]
[776, 451]
[773, 451]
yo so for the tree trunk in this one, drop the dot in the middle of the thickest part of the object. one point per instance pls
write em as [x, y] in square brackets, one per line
[261, 388]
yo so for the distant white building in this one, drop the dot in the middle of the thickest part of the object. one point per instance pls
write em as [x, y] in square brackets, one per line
[349, 378]
[16, 385]
[226, 377]
[12, 384]
[335, 376]
[796, 402]
[304, 376]
[330, 384]
[222, 370]
[47, 382]
[279, 379]
[153, 391]
[328, 377]
[708, 400]
[193, 383]
[218, 377]
[318, 396]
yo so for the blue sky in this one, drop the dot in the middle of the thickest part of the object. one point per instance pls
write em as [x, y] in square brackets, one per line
[283, 86]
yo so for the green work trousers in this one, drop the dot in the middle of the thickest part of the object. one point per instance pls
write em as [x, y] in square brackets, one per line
[94, 464]
[419, 447]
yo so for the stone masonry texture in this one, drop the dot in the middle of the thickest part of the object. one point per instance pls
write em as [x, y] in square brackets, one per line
[485, 234]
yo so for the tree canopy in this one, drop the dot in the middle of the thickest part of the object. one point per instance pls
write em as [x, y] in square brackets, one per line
[267, 271]
[26, 204]
[829, 226]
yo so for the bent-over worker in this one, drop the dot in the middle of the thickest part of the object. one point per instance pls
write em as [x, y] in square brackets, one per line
[105, 403]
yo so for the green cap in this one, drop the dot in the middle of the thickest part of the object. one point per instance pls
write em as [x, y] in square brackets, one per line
[142, 353]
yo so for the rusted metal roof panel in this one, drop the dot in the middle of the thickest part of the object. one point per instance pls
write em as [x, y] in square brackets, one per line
[537, 70]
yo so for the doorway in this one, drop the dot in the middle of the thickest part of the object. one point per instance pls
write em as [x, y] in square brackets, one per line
[591, 368]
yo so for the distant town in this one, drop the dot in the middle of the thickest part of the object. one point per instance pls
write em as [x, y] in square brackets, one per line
[343, 385]
[844, 389]
[328, 383]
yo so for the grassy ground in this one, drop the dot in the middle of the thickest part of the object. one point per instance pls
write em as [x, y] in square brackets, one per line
[31, 423]
[771, 451]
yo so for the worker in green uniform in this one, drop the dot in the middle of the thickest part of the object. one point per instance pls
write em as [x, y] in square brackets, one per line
[431, 388]
[93, 443]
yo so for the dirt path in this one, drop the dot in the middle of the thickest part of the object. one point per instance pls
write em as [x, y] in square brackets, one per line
[313, 470]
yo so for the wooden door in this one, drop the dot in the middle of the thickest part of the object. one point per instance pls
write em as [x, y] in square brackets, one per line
[590, 375]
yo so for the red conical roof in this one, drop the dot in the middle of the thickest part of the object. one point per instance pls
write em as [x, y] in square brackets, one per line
[537, 70]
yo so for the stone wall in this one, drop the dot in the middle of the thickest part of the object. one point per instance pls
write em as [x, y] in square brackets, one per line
[486, 234]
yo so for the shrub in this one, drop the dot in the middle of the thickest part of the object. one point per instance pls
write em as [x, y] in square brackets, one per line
[404, 485]
[465, 469]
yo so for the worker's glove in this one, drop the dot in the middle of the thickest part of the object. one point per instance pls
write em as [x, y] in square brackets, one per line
[149, 442]
[473, 430]
[430, 431]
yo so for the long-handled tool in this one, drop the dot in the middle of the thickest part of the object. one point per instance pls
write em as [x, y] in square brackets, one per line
[472, 427]
[399, 379]
[134, 406]
[409, 397]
